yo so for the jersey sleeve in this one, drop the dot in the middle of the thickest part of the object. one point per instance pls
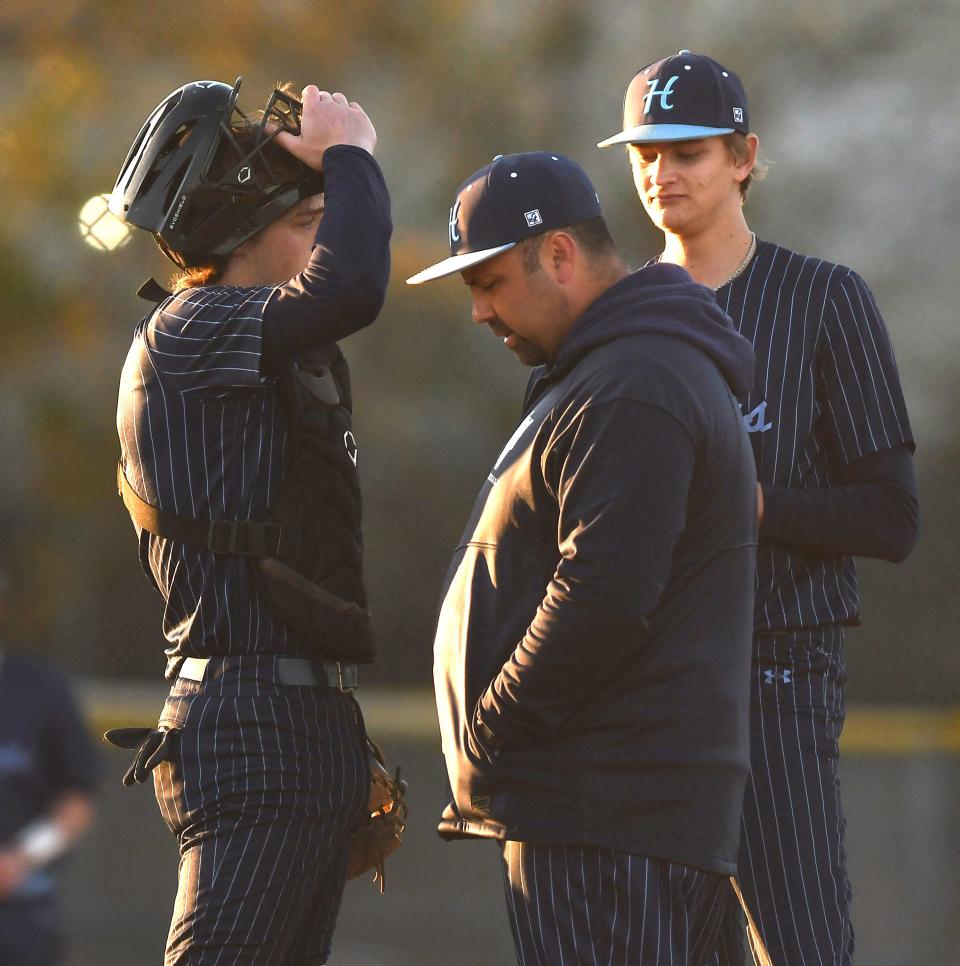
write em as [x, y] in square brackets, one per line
[865, 408]
[209, 337]
[343, 286]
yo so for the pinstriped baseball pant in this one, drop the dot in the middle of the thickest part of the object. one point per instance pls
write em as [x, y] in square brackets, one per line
[580, 905]
[792, 862]
[261, 791]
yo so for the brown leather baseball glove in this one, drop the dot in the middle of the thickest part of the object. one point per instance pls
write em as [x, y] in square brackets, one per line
[379, 832]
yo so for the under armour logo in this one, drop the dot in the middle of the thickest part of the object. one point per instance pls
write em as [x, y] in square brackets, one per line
[754, 421]
[738, 115]
[662, 94]
[454, 214]
[533, 218]
[350, 442]
[771, 676]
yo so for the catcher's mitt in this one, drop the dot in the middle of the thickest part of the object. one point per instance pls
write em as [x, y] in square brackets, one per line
[380, 829]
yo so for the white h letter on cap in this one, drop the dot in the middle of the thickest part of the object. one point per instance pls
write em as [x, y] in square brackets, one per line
[454, 212]
[663, 95]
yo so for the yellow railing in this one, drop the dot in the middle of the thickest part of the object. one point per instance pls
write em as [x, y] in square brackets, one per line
[408, 713]
[901, 730]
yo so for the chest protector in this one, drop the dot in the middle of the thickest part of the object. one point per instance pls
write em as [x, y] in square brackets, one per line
[307, 555]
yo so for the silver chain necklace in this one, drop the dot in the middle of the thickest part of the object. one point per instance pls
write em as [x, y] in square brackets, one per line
[738, 271]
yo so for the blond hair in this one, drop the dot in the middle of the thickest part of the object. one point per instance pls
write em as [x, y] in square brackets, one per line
[737, 144]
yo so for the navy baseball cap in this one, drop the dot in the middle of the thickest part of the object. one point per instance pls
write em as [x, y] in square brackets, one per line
[680, 98]
[514, 197]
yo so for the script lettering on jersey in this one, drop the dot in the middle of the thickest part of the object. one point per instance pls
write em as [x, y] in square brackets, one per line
[756, 420]
[662, 94]
[350, 442]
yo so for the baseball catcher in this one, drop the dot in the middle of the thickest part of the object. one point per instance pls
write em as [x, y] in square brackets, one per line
[239, 468]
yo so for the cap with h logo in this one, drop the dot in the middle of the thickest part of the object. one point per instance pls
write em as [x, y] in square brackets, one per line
[514, 197]
[680, 98]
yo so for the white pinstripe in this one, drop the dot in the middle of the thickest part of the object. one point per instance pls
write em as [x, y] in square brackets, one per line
[816, 859]
[845, 370]
[616, 908]
[686, 905]
[256, 927]
[643, 916]
[762, 836]
[788, 797]
[802, 859]
[797, 886]
[536, 897]
[229, 464]
[818, 305]
[254, 870]
[298, 850]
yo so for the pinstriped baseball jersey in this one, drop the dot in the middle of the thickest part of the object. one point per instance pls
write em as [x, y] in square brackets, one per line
[826, 392]
[202, 435]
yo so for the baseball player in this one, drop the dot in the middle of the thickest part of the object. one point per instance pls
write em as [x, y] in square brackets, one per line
[238, 469]
[833, 450]
[592, 654]
[48, 770]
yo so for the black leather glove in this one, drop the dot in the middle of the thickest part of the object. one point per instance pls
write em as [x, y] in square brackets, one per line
[152, 746]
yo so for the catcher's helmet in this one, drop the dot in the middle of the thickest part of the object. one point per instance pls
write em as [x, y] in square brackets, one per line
[199, 174]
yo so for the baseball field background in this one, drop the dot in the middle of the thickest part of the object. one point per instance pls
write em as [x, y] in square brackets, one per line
[854, 103]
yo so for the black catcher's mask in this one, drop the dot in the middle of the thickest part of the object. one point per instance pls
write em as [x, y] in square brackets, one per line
[203, 177]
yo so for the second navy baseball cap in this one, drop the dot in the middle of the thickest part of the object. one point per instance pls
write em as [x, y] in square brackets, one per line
[680, 98]
[514, 197]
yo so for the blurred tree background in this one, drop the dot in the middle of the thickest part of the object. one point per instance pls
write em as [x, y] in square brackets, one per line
[854, 103]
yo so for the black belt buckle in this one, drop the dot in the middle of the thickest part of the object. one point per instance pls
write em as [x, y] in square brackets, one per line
[224, 536]
[349, 683]
[244, 537]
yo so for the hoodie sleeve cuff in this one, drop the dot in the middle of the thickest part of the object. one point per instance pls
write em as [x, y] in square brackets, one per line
[487, 743]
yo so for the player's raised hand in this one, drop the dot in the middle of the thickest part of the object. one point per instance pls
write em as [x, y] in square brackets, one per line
[327, 119]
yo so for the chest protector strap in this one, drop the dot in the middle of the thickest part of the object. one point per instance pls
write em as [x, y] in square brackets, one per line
[307, 554]
[253, 538]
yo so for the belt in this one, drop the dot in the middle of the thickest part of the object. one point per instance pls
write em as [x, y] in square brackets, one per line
[296, 671]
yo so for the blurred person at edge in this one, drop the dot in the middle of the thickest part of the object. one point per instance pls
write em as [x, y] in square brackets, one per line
[48, 769]
[592, 652]
[239, 470]
[833, 449]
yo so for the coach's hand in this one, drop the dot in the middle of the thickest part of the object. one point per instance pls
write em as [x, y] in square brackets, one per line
[327, 119]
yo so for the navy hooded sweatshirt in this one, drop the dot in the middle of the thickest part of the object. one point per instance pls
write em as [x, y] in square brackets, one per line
[592, 654]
